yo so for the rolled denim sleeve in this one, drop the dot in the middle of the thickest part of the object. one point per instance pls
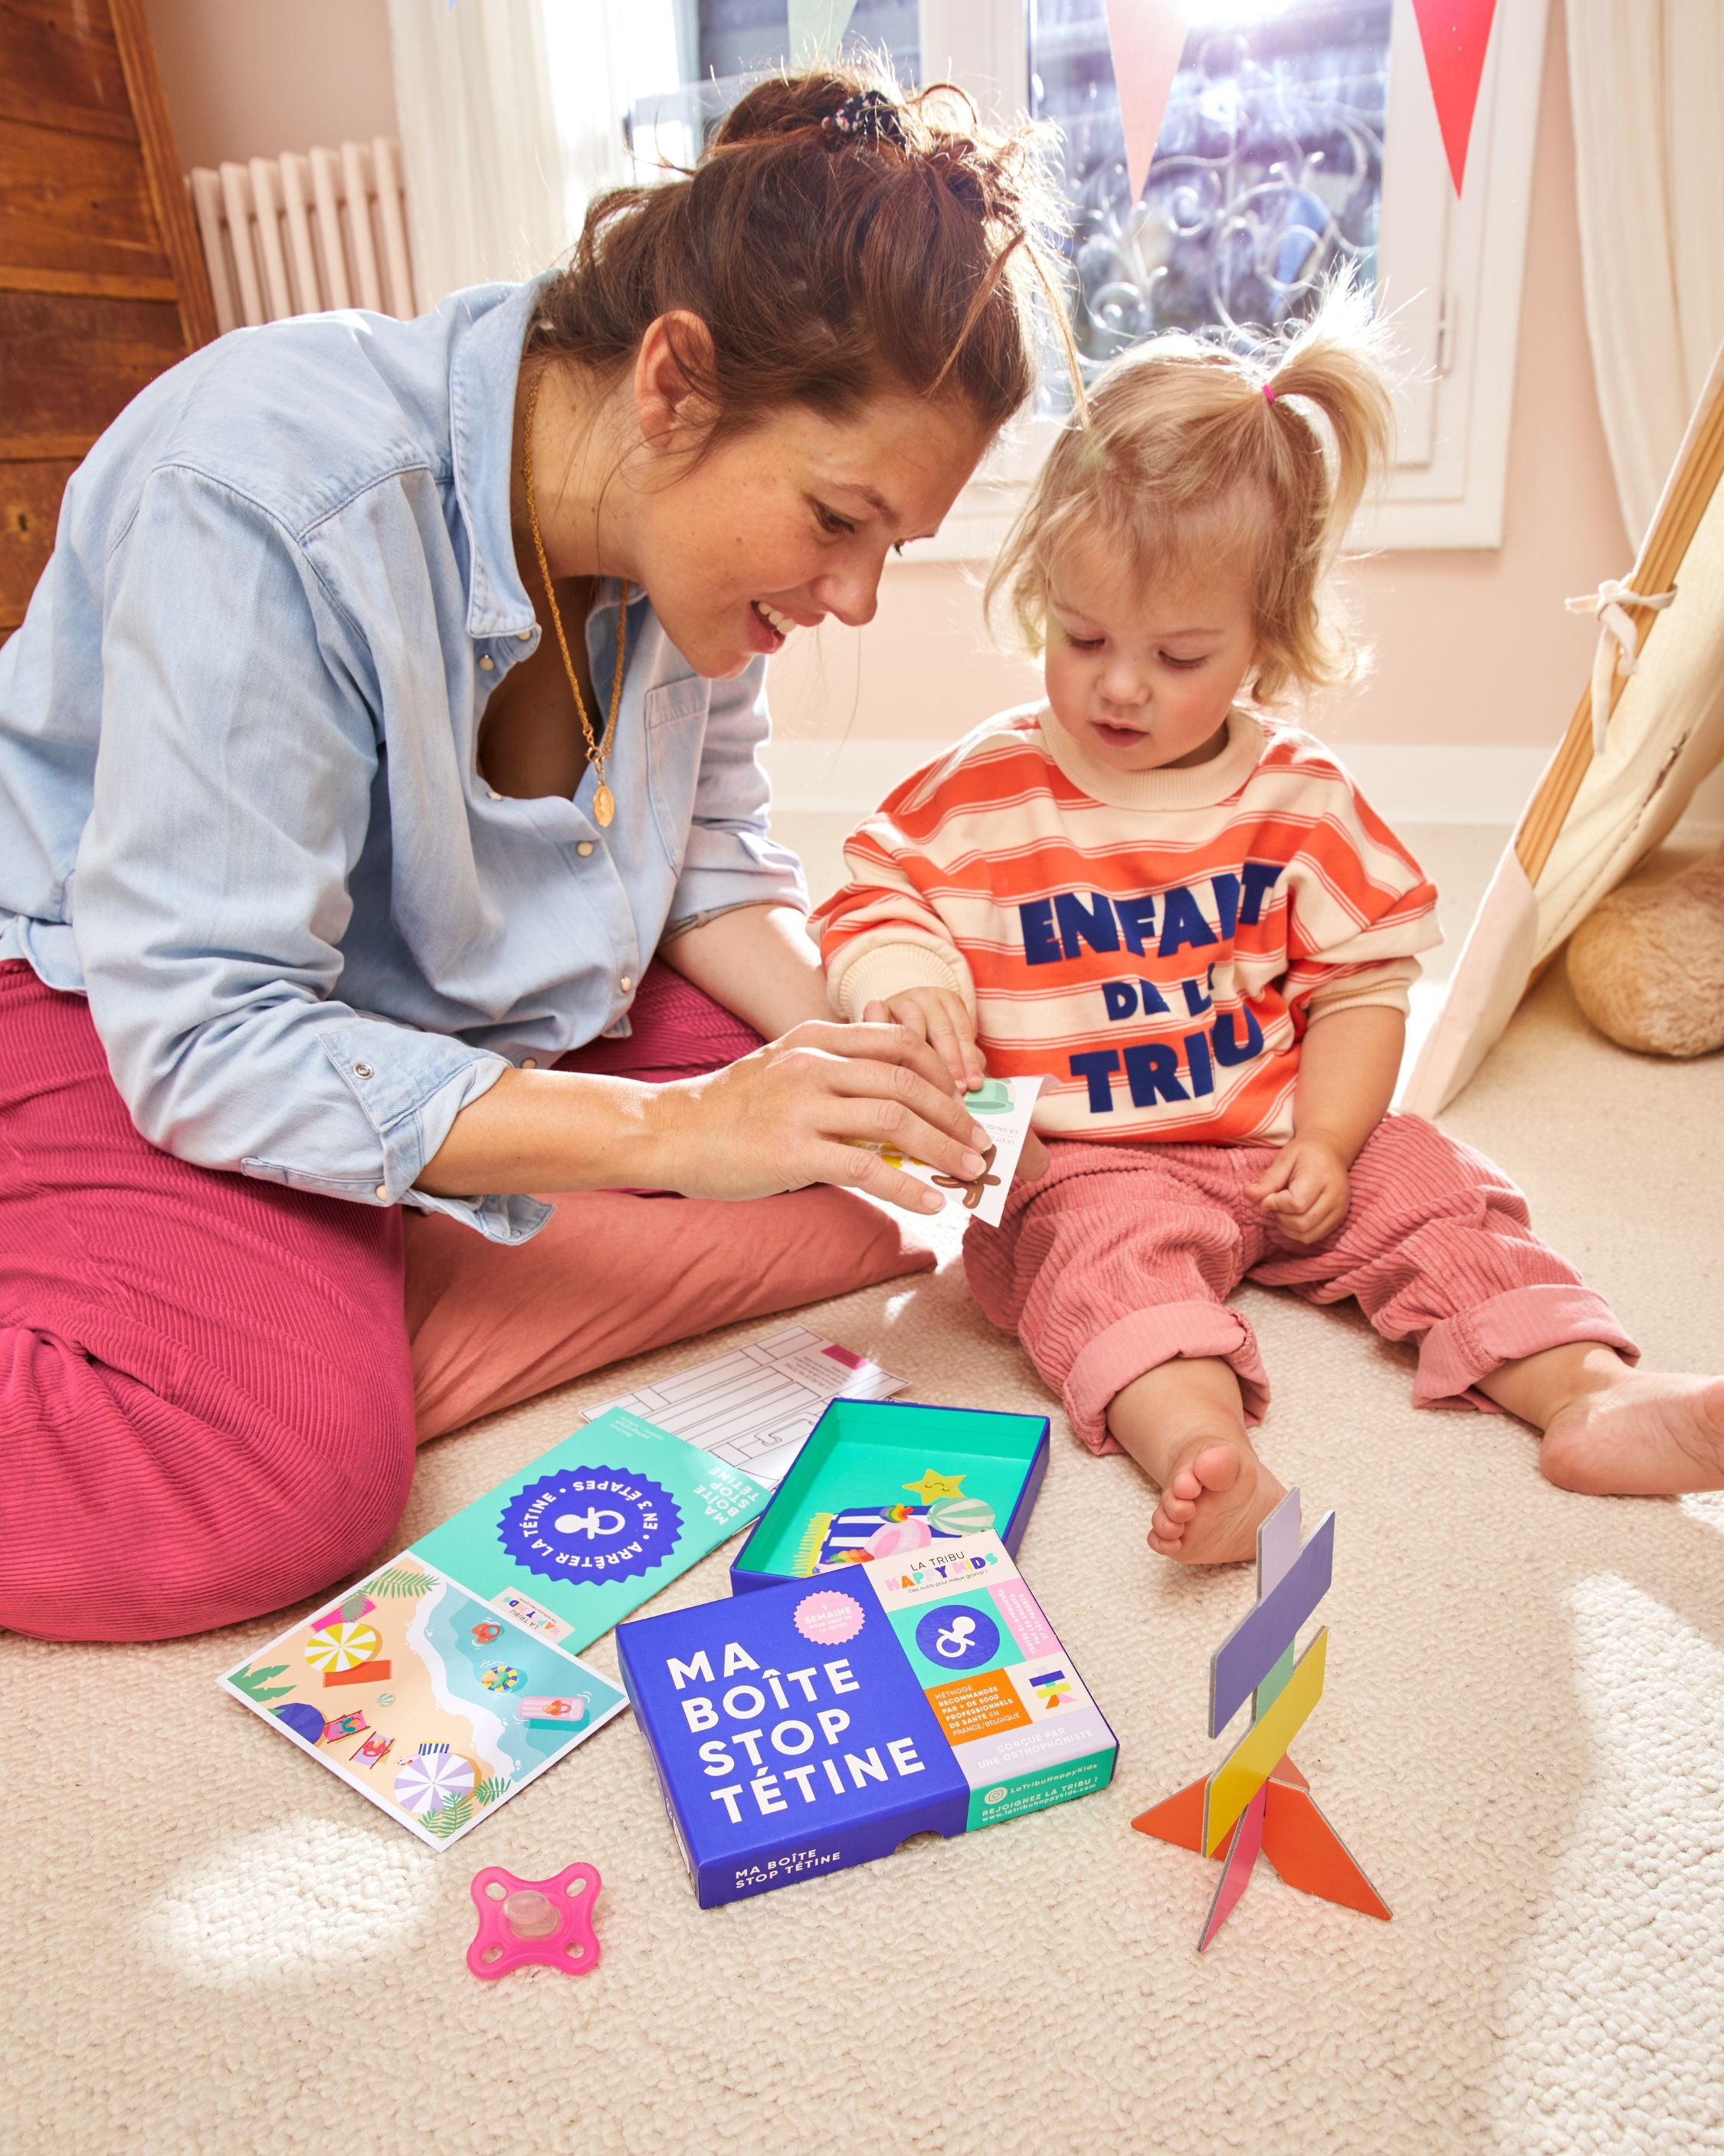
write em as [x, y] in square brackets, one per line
[730, 859]
[231, 796]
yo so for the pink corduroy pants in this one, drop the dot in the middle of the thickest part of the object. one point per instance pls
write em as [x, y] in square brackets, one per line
[208, 1383]
[1121, 1258]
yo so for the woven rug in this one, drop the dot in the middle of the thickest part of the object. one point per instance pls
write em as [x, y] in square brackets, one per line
[213, 1947]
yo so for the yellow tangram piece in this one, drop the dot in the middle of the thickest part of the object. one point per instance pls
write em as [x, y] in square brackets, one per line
[933, 1486]
[1254, 1758]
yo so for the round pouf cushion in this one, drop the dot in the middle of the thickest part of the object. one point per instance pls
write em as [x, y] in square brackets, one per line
[1647, 965]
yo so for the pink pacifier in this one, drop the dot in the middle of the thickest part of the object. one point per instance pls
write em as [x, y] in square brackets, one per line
[546, 1920]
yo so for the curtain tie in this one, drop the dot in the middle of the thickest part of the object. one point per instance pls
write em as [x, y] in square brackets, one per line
[1618, 640]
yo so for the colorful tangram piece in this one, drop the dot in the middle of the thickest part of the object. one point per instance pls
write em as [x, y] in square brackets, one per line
[1257, 1798]
[543, 1920]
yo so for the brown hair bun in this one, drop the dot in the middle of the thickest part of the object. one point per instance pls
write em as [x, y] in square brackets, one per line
[838, 240]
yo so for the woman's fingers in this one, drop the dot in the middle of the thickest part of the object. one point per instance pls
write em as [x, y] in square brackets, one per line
[902, 1093]
[853, 1168]
[871, 1120]
[884, 1043]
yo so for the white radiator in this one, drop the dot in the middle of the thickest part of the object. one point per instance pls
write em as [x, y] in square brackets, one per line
[295, 235]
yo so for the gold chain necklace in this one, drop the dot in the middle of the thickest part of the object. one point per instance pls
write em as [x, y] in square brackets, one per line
[604, 801]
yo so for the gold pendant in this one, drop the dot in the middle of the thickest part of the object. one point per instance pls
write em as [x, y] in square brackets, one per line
[604, 804]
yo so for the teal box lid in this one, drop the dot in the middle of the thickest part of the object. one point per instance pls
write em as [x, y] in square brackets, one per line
[913, 1474]
[572, 1543]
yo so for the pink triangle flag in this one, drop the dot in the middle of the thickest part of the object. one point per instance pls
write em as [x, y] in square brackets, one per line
[1455, 34]
[1146, 38]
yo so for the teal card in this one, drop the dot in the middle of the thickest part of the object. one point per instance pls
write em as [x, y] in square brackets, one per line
[570, 1545]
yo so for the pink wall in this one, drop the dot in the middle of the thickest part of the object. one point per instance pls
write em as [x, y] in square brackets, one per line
[253, 77]
[1471, 646]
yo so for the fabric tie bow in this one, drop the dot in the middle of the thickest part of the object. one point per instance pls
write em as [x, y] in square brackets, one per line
[1618, 640]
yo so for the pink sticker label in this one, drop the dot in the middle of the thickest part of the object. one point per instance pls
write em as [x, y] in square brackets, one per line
[1021, 1610]
[850, 1361]
[829, 1618]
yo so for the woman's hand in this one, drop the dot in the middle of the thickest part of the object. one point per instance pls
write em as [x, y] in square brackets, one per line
[942, 1018]
[789, 1115]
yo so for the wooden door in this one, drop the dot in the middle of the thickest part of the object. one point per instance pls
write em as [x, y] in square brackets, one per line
[102, 284]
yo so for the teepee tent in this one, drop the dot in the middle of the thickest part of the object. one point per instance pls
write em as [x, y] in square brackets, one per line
[1647, 732]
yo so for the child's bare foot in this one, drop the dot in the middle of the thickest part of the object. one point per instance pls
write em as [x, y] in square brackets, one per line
[1212, 1504]
[1647, 1435]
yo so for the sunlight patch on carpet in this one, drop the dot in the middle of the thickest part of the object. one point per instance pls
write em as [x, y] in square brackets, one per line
[304, 1894]
[1613, 2025]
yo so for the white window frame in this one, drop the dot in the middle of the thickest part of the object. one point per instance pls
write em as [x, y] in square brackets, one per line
[1451, 271]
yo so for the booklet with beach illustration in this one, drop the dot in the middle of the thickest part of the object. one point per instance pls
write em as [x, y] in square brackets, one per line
[423, 1698]
[447, 1679]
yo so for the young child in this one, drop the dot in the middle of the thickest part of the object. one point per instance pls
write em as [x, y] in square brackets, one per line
[1181, 908]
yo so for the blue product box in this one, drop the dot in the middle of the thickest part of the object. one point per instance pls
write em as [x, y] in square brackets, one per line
[875, 1477]
[818, 1724]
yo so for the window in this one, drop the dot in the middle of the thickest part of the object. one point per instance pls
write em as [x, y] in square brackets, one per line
[1299, 136]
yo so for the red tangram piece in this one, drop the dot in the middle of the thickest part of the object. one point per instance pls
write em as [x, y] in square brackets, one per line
[1282, 1819]
[1456, 35]
[543, 1920]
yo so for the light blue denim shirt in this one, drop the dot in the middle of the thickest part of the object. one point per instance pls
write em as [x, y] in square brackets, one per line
[240, 805]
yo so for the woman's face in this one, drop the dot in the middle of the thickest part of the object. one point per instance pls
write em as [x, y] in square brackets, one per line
[775, 529]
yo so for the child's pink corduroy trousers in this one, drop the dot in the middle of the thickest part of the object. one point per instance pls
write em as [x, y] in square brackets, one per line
[1121, 1258]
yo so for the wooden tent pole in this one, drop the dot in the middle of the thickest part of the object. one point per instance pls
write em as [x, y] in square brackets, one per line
[1673, 526]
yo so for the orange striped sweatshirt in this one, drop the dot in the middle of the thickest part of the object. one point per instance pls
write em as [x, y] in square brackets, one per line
[1157, 941]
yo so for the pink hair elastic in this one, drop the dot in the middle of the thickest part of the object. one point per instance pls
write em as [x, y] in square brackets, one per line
[1269, 395]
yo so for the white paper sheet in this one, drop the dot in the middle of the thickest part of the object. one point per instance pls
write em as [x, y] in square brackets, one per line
[753, 1407]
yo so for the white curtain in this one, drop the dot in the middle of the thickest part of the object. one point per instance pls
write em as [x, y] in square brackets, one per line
[1647, 81]
[512, 117]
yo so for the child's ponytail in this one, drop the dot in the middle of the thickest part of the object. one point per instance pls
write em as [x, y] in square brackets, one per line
[1336, 363]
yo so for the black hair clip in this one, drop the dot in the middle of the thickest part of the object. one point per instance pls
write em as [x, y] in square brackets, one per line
[870, 117]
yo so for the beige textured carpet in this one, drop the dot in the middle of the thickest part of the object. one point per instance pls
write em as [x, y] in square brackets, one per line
[210, 1946]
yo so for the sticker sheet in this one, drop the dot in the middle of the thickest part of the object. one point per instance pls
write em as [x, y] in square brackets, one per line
[1003, 1106]
[754, 1406]
[428, 1702]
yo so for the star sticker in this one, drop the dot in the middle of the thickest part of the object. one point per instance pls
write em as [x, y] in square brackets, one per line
[933, 1486]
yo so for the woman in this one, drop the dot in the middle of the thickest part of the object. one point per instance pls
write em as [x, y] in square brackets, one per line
[325, 831]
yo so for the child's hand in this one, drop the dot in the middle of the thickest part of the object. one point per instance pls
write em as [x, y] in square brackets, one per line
[940, 1018]
[1305, 1189]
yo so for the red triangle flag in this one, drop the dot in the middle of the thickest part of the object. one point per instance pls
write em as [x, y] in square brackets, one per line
[1145, 37]
[1455, 34]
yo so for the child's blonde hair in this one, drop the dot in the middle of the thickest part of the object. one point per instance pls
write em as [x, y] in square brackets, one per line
[1186, 452]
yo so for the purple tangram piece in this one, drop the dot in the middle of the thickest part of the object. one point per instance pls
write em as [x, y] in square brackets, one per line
[1277, 1543]
[1236, 1867]
[1268, 1629]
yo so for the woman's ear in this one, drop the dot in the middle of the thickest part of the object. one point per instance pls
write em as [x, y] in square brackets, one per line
[673, 378]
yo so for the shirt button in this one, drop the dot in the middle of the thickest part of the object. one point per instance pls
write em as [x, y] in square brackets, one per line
[494, 793]
[524, 636]
[529, 1062]
[487, 662]
[626, 984]
[383, 1192]
[584, 848]
[363, 1071]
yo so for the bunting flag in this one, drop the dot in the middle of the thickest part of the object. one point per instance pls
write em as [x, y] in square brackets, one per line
[816, 30]
[1455, 34]
[1145, 37]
